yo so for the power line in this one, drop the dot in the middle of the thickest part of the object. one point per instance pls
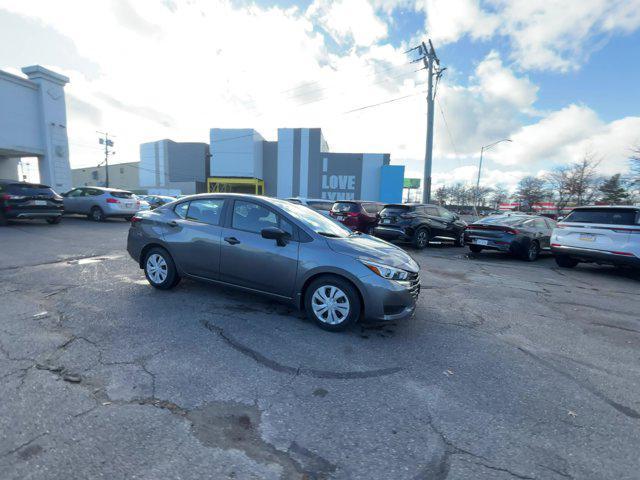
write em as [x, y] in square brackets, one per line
[384, 103]
[446, 124]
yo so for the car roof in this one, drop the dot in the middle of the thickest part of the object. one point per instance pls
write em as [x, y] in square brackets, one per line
[307, 199]
[607, 207]
[6, 181]
[105, 189]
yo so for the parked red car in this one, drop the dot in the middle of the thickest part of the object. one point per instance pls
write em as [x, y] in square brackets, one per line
[358, 215]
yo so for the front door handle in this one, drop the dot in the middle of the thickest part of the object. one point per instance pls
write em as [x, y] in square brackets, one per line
[231, 240]
[173, 223]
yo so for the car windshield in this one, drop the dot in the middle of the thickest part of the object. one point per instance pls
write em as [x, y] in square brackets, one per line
[606, 216]
[314, 220]
[504, 220]
[342, 207]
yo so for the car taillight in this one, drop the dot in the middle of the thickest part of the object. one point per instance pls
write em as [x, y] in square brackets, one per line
[113, 200]
[135, 220]
[352, 214]
[8, 196]
[556, 245]
[626, 254]
[512, 231]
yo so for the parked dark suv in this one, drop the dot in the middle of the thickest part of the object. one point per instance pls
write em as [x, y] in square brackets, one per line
[29, 200]
[419, 223]
[357, 215]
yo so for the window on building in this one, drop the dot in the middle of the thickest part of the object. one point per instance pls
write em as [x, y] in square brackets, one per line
[121, 170]
[94, 174]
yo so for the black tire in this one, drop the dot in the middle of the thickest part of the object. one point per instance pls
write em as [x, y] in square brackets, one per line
[161, 281]
[96, 214]
[344, 288]
[3, 220]
[532, 252]
[475, 248]
[565, 261]
[459, 241]
[54, 220]
[421, 238]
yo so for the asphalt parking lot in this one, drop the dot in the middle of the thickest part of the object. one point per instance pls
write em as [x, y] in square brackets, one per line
[508, 370]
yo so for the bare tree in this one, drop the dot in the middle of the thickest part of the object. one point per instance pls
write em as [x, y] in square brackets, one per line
[531, 190]
[500, 195]
[559, 183]
[584, 180]
[441, 195]
[635, 165]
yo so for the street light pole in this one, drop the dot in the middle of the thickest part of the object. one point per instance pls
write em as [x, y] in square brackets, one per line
[485, 147]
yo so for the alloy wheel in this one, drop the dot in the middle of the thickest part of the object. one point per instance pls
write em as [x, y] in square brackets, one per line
[422, 238]
[330, 304]
[157, 268]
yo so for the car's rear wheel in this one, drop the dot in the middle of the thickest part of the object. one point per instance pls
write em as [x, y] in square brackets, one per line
[54, 220]
[475, 248]
[565, 261]
[96, 214]
[160, 269]
[532, 253]
[459, 242]
[3, 220]
[332, 302]
[421, 238]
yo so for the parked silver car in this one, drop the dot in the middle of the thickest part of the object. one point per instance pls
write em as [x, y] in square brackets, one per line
[99, 203]
[274, 247]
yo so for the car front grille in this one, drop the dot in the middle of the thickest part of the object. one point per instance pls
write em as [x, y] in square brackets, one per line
[414, 284]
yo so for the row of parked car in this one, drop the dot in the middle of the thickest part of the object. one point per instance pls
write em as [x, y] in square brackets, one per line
[20, 200]
[601, 234]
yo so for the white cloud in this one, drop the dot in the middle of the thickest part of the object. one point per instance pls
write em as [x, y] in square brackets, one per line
[349, 20]
[448, 20]
[176, 72]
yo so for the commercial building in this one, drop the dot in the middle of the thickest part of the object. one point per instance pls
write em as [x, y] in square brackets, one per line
[33, 123]
[173, 168]
[121, 175]
[299, 163]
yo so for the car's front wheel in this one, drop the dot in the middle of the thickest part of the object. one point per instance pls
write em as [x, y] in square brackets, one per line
[564, 261]
[160, 269]
[459, 242]
[532, 253]
[332, 302]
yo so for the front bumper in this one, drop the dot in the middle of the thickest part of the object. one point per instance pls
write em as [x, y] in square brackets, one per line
[595, 256]
[389, 300]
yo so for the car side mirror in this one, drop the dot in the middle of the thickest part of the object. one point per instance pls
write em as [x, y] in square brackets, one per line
[274, 233]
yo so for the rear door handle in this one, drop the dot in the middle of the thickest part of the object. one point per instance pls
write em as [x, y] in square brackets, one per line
[231, 240]
[173, 223]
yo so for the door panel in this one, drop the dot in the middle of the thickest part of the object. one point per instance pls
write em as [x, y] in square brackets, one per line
[193, 236]
[248, 260]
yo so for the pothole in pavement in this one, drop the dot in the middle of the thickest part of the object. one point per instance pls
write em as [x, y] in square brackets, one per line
[230, 425]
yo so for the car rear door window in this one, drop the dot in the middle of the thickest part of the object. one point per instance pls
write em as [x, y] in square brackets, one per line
[181, 209]
[206, 210]
[344, 207]
[432, 211]
[606, 216]
[122, 194]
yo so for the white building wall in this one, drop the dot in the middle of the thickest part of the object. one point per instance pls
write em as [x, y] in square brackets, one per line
[235, 152]
[285, 162]
[33, 122]
[148, 164]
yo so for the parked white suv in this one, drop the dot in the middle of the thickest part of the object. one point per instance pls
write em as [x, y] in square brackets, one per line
[609, 235]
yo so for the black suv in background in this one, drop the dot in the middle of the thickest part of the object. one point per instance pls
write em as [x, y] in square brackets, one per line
[419, 223]
[29, 200]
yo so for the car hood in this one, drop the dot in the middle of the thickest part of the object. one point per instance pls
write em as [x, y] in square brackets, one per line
[372, 248]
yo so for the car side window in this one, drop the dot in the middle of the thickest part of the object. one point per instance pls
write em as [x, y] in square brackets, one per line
[75, 193]
[444, 213]
[251, 217]
[206, 210]
[433, 211]
[550, 223]
[285, 225]
[181, 209]
[540, 223]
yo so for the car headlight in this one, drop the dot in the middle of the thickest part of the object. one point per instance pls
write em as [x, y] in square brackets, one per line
[385, 271]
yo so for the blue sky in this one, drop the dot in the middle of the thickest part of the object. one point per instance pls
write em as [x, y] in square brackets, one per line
[561, 86]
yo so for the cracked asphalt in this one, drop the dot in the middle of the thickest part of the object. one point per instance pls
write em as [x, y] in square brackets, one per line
[508, 370]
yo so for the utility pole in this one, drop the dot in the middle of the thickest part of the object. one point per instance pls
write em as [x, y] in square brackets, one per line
[431, 64]
[107, 143]
[477, 192]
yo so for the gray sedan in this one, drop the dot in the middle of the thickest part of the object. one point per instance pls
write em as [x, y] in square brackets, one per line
[280, 249]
